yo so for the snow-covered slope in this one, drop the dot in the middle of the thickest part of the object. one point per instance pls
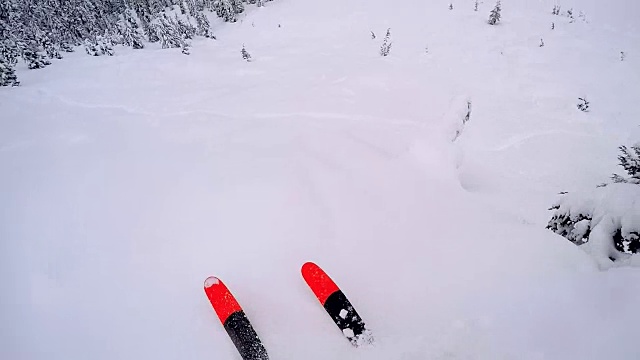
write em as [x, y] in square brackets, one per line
[127, 180]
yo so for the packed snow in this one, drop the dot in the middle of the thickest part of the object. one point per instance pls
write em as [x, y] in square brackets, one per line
[421, 181]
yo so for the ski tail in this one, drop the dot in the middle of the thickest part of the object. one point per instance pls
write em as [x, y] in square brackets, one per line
[337, 305]
[234, 320]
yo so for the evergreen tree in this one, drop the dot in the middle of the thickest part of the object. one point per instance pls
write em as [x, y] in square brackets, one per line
[185, 29]
[630, 162]
[9, 51]
[494, 17]
[168, 33]
[7, 74]
[385, 49]
[202, 25]
[130, 36]
[33, 58]
[238, 6]
[245, 54]
[50, 49]
[225, 10]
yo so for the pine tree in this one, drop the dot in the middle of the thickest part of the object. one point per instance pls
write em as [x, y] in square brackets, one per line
[7, 74]
[33, 58]
[494, 17]
[202, 25]
[245, 54]
[185, 29]
[630, 162]
[49, 48]
[169, 34]
[224, 9]
[10, 52]
[385, 49]
[238, 6]
[583, 105]
[128, 28]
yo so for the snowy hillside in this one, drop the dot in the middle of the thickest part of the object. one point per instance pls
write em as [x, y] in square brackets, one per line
[127, 180]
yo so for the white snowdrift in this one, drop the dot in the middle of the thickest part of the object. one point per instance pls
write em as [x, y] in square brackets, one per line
[127, 181]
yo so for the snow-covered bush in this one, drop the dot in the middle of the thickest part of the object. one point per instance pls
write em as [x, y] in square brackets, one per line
[185, 49]
[385, 49]
[450, 6]
[494, 16]
[245, 54]
[583, 105]
[556, 10]
[33, 58]
[475, 5]
[606, 220]
[570, 15]
[98, 47]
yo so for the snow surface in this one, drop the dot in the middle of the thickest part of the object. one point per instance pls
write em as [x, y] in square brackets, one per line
[127, 180]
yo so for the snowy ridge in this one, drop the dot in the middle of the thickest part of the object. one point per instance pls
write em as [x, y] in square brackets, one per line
[127, 180]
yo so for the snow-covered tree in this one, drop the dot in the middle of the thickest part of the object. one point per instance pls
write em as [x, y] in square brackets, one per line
[184, 28]
[7, 74]
[98, 46]
[583, 105]
[224, 9]
[238, 6]
[170, 33]
[9, 51]
[494, 16]
[130, 34]
[49, 48]
[33, 58]
[245, 54]
[202, 25]
[630, 162]
[385, 49]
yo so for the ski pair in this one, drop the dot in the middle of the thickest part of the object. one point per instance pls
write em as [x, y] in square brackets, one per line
[244, 337]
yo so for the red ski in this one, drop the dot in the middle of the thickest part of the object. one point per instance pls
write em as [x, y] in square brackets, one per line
[337, 305]
[234, 320]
